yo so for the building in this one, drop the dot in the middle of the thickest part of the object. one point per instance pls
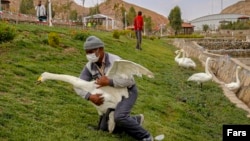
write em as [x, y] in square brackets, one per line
[99, 19]
[187, 28]
[214, 21]
[5, 5]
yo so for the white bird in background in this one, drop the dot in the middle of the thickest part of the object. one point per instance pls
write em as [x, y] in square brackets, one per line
[202, 77]
[186, 62]
[234, 85]
[120, 68]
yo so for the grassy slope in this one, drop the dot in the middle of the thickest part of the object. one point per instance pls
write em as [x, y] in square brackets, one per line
[52, 111]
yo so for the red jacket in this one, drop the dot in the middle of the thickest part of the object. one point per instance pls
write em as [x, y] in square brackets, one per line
[138, 23]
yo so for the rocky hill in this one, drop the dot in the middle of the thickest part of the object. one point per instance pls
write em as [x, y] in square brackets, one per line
[105, 8]
[241, 7]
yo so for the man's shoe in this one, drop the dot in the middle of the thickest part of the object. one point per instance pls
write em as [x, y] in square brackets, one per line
[150, 138]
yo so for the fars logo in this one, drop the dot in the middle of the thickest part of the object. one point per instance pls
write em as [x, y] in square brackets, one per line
[236, 132]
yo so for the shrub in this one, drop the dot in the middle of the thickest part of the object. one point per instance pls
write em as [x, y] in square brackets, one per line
[152, 37]
[7, 32]
[53, 39]
[82, 35]
[116, 34]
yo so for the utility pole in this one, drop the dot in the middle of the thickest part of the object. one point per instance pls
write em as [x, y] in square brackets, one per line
[221, 5]
[144, 28]
[83, 1]
[125, 14]
[212, 12]
[161, 29]
[50, 13]
[18, 10]
[0, 9]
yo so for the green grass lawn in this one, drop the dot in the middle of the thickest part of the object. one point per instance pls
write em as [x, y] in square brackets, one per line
[53, 112]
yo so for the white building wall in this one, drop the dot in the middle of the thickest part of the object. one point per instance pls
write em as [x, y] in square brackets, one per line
[213, 21]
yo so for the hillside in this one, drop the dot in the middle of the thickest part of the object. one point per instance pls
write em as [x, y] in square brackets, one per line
[52, 111]
[157, 19]
[105, 8]
[241, 7]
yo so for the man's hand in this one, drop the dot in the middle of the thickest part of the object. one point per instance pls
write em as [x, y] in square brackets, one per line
[102, 81]
[97, 99]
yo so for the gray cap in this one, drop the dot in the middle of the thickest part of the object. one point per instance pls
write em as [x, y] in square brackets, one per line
[92, 42]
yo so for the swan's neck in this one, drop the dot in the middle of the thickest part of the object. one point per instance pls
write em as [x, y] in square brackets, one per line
[206, 68]
[183, 54]
[237, 76]
[178, 55]
[75, 81]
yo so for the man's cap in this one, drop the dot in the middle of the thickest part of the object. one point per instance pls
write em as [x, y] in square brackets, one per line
[92, 42]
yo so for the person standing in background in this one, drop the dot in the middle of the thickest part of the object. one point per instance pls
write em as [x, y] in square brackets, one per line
[138, 27]
[41, 12]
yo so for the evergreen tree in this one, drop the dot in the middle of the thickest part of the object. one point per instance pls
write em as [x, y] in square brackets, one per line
[123, 11]
[175, 19]
[131, 15]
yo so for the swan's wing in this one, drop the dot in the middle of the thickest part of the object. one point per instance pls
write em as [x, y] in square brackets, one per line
[126, 69]
[197, 77]
[232, 85]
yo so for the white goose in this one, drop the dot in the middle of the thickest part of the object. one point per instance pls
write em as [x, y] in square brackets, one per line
[120, 68]
[202, 77]
[186, 62]
[234, 85]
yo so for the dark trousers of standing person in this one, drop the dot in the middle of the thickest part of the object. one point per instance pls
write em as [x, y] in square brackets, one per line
[125, 122]
[138, 34]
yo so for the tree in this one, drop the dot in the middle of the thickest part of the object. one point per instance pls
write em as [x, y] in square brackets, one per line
[119, 12]
[73, 15]
[124, 16]
[27, 7]
[131, 15]
[67, 8]
[148, 23]
[175, 19]
[94, 10]
[205, 27]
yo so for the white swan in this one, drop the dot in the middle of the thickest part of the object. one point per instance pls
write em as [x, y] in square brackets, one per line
[177, 57]
[234, 85]
[120, 68]
[186, 62]
[202, 77]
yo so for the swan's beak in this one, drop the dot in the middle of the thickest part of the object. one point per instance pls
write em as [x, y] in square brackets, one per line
[39, 80]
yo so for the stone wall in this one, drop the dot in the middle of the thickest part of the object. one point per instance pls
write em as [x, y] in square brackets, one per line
[223, 67]
[231, 47]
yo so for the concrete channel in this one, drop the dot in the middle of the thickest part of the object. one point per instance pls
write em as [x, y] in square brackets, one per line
[228, 54]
